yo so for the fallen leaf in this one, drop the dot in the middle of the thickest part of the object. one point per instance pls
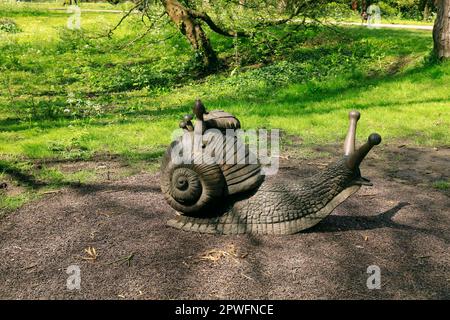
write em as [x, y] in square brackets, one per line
[91, 254]
[214, 255]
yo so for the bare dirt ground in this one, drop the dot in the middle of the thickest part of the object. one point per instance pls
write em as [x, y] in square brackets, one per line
[401, 224]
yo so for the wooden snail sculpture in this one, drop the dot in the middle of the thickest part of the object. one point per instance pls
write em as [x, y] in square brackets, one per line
[232, 197]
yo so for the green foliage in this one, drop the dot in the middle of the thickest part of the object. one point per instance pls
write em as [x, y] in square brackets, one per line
[442, 185]
[10, 203]
[337, 11]
[9, 26]
[75, 147]
[13, 10]
[35, 110]
[124, 78]
[409, 9]
[387, 10]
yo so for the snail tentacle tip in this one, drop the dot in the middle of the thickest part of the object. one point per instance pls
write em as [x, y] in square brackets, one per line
[199, 103]
[374, 139]
[199, 109]
[182, 124]
[354, 114]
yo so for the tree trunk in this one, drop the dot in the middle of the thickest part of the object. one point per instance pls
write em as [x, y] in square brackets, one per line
[441, 30]
[192, 29]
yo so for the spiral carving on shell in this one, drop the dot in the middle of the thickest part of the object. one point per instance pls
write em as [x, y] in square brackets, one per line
[189, 187]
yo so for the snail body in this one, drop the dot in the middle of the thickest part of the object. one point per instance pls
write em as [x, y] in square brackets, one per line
[218, 197]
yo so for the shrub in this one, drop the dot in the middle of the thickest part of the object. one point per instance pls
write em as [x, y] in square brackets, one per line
[9, 26]
[135, 77]
[337, 10]
[387, 10]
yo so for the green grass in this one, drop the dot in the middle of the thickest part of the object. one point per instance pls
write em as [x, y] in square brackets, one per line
[442, 185]
[73, 96]
[9, 203]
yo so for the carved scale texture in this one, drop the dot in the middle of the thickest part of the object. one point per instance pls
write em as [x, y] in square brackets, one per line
[279, 208]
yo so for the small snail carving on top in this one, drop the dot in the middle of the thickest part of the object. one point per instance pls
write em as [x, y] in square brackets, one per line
[232, 196]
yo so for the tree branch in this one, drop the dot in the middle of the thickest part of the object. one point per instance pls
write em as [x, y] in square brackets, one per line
[110, 32]
[214, 27]
[147, 31]
[293, 15]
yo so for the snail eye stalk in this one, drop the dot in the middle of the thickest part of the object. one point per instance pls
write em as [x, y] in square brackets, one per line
[199, 109]
[355, 159]
[349, 143]
[187, 119]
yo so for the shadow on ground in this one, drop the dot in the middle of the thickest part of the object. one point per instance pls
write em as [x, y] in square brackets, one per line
[400, 225]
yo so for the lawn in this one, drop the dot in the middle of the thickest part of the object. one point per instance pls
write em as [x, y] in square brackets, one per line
[79, 96]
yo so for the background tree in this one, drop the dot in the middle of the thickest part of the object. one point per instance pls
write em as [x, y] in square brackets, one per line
[230, 18]
[189, 23]
[412, 9]
[441, 30]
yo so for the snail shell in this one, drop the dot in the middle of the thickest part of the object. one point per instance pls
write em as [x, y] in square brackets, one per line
[190, 187]
[193, 187]
[221, 120]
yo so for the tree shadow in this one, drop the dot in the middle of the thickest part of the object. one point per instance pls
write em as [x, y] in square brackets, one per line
[17, 124]
[87, 188]
[30, 177]
[19, 175]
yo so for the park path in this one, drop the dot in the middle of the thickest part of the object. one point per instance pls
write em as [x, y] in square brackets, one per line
[389, 25]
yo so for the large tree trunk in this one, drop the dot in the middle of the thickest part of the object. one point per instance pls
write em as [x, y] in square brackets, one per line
[191, 27]
[441, 30]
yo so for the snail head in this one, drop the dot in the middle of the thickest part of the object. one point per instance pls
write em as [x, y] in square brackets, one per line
[353, 158]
